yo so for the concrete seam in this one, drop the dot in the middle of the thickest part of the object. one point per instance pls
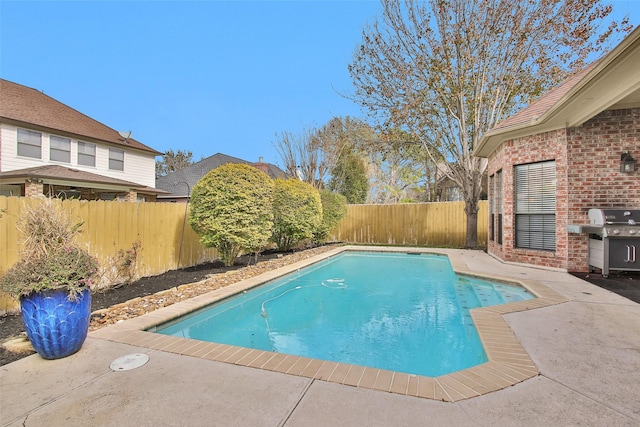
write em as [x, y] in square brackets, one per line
[297, 402]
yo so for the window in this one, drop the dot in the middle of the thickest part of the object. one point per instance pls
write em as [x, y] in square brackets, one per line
[86, 154]
[492, 208]
[29, 143]
[495, 207]
[59, 149]
[535, 187]
[499, 206]
[116, 159]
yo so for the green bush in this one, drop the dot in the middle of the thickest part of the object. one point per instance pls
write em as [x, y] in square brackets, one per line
[334, 208]
[231, 210]
[349, 177]
[297, 212]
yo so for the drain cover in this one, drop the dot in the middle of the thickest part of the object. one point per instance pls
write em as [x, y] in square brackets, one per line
[129, 362]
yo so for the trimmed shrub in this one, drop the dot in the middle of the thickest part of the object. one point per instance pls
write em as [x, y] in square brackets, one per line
[334, 208]
[231, 210]
[297, 212]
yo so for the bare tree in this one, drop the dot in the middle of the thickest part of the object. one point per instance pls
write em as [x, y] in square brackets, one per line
[302, 156]
[449, 70]
[315, 152]
[392, 178]
[172, 161]
[399, 169]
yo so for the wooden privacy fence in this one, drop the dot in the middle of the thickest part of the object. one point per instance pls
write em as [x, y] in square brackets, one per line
[165, 240]
[423, 224]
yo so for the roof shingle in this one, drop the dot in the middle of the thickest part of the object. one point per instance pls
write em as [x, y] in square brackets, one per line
[29, 106]
[543, 104]
[176, 183]
[63, 173]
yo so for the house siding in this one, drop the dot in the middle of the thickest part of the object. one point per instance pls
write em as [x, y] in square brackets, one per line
[588, 175]
[9, 148]
[138, 167]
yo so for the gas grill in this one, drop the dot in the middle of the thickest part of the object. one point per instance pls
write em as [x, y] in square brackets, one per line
[614, 239]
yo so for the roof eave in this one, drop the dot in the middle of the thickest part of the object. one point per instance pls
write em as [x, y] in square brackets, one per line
[17, 180]
[173, 196]
[86, 179]
[576, 107]
[151, 190]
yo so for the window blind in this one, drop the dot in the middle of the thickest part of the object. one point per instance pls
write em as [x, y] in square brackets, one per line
[536, 188]
[29, 143]
[86, 154]
[535, 191]
[60, 149]
[116, 159]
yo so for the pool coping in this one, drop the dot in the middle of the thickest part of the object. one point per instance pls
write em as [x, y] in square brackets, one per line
[508, 362]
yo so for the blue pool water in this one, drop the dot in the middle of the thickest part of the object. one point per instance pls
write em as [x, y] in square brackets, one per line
[401, 312]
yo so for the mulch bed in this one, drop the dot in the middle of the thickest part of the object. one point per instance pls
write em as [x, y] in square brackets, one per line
[151, 293]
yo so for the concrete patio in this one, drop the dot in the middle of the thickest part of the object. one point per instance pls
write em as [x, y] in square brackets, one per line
[587, 351]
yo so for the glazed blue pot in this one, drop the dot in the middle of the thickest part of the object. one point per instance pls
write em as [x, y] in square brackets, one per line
[56, 326]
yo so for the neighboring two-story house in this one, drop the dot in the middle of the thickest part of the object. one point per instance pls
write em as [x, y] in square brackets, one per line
[47, 147]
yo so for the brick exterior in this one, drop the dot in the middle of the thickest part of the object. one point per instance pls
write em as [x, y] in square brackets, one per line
[264, 167]
[33, 188]
[588, 175]
[131, 196]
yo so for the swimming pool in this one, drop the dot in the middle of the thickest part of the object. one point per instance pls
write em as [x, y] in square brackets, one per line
[400, 312]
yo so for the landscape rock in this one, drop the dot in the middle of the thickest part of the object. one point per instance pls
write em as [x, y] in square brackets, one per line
[142, 305]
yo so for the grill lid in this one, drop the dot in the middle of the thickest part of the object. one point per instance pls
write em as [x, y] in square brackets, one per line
[603, 217]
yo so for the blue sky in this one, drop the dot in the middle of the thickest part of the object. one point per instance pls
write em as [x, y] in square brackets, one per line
[205, 76]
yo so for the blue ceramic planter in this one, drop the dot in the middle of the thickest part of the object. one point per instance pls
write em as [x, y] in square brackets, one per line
[56, 326]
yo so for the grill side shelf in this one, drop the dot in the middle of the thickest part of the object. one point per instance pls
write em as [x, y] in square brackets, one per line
[584, 229]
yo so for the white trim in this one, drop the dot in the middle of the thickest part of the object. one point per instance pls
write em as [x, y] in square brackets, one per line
[606, 86]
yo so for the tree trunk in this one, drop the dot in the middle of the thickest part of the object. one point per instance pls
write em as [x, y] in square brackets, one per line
[472, 226]
[473, 188]
[471, 209]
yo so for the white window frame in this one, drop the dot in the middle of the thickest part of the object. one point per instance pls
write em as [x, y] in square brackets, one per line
[492, 208]
[84, 156]
[495, 207]
[498, 206]
[535, 205]
[59, 147]
[116, 159]
[27, 141]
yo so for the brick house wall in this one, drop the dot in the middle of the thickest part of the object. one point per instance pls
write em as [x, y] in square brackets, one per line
[33, 188]
[588, 175]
